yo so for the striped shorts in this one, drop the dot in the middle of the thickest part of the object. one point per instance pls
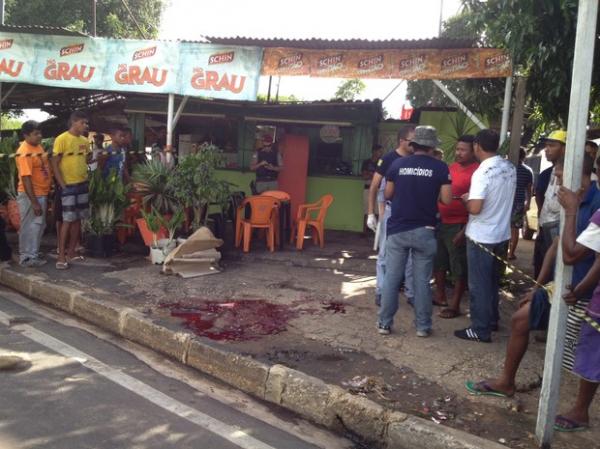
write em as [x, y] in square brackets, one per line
[574, 323]
[74, 198]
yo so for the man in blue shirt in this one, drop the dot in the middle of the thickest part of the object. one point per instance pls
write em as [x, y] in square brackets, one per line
[413, 184]
[115, 159]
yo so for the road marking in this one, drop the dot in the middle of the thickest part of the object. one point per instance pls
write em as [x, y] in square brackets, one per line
[231, 433]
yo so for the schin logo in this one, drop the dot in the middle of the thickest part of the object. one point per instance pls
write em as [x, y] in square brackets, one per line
[294, 61]
[413, 64]
[145, 53]
[71, 50]
[221, 58]
[455, 63]
[372, 64]
[497, 61]
[6, 44]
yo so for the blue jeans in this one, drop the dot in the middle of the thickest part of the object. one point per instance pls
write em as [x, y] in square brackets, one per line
[484, 282]
[32, 227]
[421, 245]
[380, 267]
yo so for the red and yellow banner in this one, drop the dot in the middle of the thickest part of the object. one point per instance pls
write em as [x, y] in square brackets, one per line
[401, 64]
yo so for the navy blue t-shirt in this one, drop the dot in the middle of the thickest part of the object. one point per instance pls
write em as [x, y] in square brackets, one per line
[417, 181]
[386, 161]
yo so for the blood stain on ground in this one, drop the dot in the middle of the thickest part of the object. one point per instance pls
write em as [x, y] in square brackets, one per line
[333, 306]
[239, 320]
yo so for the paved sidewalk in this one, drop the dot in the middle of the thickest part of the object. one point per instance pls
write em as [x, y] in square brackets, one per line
[313, 311]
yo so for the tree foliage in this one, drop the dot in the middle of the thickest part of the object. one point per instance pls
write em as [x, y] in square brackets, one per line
[112, 17]
[540, 35]
[349, 90]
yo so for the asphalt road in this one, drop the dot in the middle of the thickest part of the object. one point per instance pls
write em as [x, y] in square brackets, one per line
[79, 387]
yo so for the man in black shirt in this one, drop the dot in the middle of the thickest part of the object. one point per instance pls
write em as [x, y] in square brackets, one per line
[414, 185]
[267, 164]
[367, 169]
[377, 204]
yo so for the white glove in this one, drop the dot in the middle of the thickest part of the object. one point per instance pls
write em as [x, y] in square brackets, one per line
[372, 222]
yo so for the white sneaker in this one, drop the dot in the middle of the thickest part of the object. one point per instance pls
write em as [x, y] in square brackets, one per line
[424, 334]
[384, 330]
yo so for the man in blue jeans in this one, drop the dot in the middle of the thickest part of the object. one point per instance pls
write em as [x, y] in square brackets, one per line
[413, 184]
[489, 203]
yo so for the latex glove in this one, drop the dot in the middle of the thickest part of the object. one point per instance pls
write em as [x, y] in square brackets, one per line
[372, 222]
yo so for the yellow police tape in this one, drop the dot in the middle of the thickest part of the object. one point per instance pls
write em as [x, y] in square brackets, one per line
[549, 288]
[72, 153]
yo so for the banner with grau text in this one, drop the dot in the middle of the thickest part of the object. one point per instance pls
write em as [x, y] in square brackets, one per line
[202, 70]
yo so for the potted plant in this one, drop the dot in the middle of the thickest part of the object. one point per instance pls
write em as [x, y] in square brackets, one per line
[8, 179]
[153, 222]
[108, 200]
[195, 185]
[171, 224]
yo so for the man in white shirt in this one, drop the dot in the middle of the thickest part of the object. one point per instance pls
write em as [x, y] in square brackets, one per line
[489, 203]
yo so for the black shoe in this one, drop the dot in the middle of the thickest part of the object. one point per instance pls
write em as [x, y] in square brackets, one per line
[471, 335]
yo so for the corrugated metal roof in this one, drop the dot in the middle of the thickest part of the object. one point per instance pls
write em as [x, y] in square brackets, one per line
[39, 29]
[346, 44]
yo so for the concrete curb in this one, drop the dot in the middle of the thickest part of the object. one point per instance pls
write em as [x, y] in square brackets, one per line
[311, 398]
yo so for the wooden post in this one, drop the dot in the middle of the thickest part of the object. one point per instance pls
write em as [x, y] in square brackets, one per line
[517, 121]
[579, 104]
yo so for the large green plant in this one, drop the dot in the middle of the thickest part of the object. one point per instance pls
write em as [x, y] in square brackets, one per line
[151, 179]
[8, 167]
[108, 200]
[195, 185]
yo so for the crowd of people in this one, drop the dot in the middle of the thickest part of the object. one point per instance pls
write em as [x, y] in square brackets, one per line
[66, 169]
[462, 222]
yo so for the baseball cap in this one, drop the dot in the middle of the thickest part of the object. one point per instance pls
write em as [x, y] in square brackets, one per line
[560, 135]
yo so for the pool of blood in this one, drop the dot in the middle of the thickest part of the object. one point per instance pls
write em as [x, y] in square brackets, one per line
[238, 320]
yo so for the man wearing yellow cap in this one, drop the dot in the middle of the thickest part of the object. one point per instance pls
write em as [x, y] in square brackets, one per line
[549, 214]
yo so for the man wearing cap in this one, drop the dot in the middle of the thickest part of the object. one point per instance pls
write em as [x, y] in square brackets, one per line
[413, 184]
[489, 203]
[267, 163]
[549, 214]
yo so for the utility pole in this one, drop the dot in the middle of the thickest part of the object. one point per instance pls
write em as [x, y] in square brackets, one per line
[94, 32]
[441, 18]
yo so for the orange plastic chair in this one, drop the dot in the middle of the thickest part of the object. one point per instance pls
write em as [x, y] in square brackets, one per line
[263, 215]
[304, 220]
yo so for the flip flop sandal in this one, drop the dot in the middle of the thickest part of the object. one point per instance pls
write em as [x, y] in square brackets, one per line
[449, 313]
[564, 424]
[440, 304]
[62, 265]
[77, 259]
[483, 388]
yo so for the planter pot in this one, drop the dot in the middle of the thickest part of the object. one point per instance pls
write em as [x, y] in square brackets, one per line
[14, 218]
[101, 245]
[147, 235]
[167, 246]
[157, 256]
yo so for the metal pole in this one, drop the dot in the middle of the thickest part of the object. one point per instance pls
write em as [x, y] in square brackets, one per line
[2, 23]
[506, 109]
[170, 107]
[578, 117]
[2, 12]
[179, 111]
[94, 33]
[277, 92]
[441, 18]
[460, 105]
[269, 91]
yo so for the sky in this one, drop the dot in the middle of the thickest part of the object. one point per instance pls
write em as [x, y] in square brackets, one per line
[328, 19]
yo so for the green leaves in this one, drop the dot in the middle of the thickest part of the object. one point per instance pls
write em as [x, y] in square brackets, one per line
[108, 199]
[151, 179]
[8, 167]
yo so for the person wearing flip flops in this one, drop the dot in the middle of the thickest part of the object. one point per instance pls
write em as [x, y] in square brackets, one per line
[69, 161]
[534, 311]
[451, 249]
[489, 203]
[35, 180]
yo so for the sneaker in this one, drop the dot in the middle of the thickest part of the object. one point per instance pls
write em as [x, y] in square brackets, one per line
[37, 262]
[378, 300]
[384, 330]
[471, 335]
[424, 334]
[27, 263]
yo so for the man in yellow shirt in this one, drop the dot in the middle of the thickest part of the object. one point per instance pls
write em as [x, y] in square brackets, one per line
[69, 161]
[34, 186]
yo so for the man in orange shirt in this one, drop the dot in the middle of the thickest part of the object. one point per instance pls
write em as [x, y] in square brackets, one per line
[33, 189]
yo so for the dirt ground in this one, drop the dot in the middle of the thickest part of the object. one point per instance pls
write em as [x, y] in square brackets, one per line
[314, 311]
